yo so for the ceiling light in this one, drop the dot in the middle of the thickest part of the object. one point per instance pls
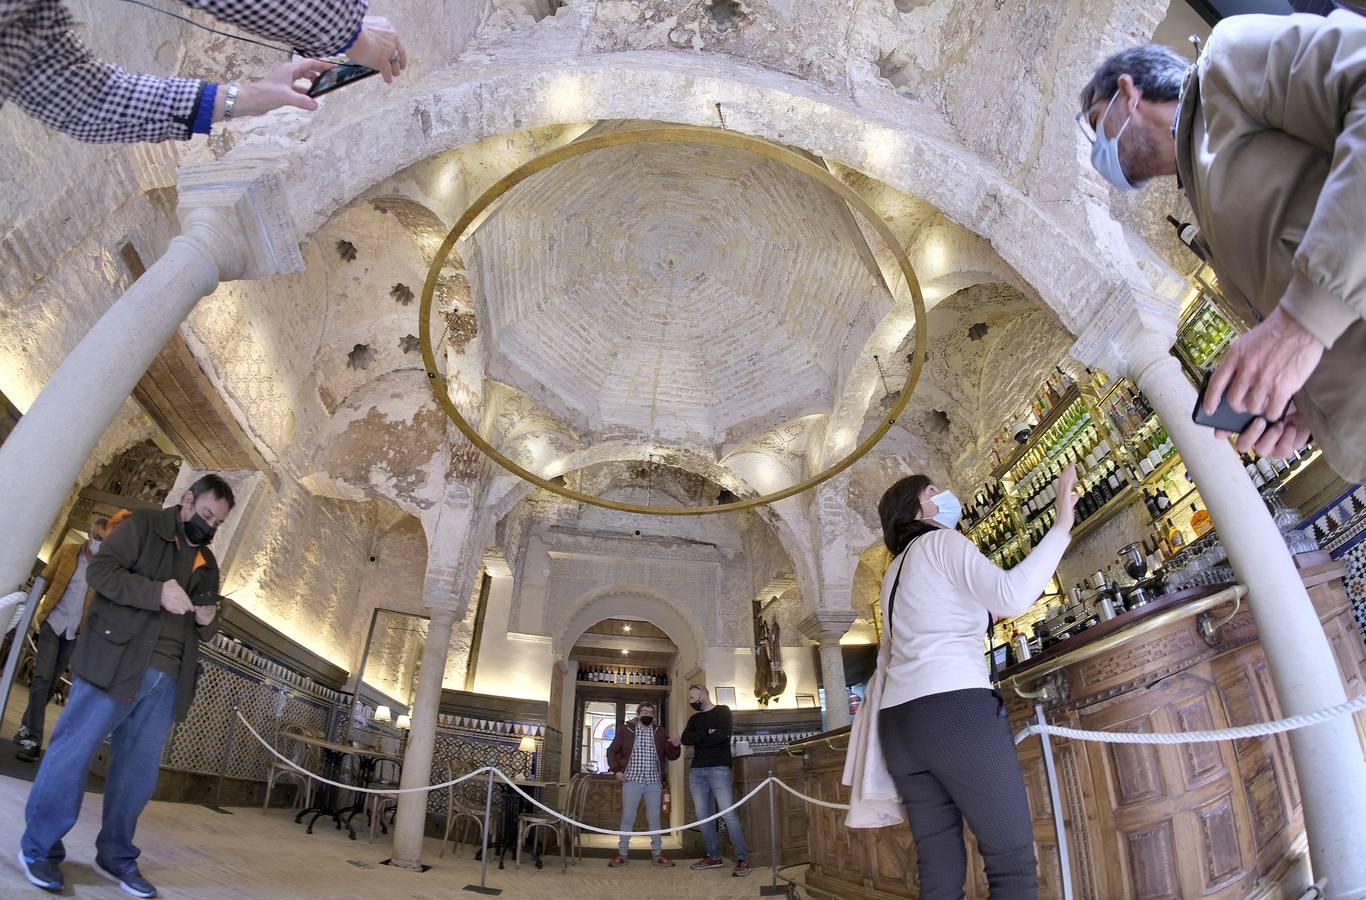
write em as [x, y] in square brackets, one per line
[625, 652]
[627, 628]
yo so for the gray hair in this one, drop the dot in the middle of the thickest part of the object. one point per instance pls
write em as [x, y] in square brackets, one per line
[1157, 71]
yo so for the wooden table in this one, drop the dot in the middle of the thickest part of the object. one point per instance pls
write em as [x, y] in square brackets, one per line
[328, 794]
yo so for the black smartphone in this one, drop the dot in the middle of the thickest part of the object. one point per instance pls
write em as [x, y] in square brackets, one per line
[339, 76]
[1225, 418]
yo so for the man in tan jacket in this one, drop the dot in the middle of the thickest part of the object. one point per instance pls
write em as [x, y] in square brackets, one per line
[61, 610]
[1266, 134]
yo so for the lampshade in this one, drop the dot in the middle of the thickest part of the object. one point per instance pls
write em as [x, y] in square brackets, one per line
[404, 722]
[383, 714]
[528, 744]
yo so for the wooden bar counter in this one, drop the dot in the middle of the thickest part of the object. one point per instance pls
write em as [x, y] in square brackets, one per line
[1209, 820]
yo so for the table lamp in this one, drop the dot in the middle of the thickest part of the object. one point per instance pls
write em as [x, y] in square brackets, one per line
[403, 723]
[383, 714]
[528, 745]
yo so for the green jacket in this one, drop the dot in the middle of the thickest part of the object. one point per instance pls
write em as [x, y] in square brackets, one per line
[115, 647]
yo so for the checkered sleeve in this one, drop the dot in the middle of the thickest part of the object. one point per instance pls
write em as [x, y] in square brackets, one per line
[312, 27]
[65, 87]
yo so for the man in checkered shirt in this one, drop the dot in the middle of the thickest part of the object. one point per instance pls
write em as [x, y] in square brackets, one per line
[46, 69]
[637, 755]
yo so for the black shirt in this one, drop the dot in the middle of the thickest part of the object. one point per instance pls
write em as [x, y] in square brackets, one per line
[708, 733]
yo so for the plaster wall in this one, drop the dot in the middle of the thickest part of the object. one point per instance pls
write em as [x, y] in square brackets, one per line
[734, 667]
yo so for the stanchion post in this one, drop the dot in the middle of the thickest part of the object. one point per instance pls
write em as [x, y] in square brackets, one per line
[217, 804]
[483, 886]
[1052, 776]
[774, 889]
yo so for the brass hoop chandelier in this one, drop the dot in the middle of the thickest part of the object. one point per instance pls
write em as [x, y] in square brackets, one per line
[664, 134]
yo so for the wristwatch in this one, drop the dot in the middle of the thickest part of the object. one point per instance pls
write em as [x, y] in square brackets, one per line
[230, 101]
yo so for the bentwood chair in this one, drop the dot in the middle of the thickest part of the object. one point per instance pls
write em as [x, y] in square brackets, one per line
[575, 804]
[303, 755]
[462, 807]
[388, 773]
[536, 823]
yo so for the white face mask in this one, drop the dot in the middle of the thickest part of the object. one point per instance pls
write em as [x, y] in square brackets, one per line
[950, 509]
[94, 546]
[1105, 152]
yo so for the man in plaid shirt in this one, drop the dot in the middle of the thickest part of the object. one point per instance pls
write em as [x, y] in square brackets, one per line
[46, 69]
[637, 755]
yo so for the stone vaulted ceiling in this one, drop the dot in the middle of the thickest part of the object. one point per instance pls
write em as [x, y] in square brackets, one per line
[680, 292]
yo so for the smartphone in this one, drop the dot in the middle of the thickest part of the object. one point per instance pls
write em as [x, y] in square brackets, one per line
[1225, 418]
[339, 76]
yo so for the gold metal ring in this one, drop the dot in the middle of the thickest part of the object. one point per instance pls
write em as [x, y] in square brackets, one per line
[677, 134]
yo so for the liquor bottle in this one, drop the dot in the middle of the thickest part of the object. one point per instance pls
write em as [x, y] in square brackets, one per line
[1151, 502]
[1065, 380]
[1189, 235]
[1176, 538]
[1164, 502]
[1200, 521]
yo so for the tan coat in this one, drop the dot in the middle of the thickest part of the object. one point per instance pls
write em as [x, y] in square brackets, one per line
[57, 573]
[1271, 151]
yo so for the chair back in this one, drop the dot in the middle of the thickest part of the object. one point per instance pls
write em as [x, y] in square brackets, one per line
[388, 771]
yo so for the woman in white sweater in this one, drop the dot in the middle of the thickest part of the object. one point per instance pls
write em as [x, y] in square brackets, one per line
[943, 728]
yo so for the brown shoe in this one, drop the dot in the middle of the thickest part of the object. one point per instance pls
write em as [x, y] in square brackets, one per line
[741, 869]
[707, 862]
[662, 860]
[617, 862]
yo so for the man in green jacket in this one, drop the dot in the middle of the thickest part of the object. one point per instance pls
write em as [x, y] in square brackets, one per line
[1266, 134]
[62, 608]
[135, 666]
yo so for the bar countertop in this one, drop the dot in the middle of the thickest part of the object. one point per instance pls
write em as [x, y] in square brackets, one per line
[1021, 670]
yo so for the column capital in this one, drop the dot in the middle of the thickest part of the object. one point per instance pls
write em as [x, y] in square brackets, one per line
[245, 207]
[1131, 329]
[827, 626]
[443, 616]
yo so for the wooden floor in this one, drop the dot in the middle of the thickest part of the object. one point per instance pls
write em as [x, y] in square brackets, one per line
[193, 852]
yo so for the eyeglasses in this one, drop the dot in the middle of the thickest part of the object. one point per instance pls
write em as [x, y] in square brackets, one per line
[1085, 126]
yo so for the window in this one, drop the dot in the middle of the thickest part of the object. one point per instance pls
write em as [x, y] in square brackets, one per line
[599, 727]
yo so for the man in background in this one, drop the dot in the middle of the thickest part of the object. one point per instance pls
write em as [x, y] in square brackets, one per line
[708, 733]
[62, 608]
[135, 667]
[1266, 134]
[637, 756]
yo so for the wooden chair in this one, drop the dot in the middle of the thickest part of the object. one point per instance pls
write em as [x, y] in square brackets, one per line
[537, 822]
[301, 754]
[462, 808]
[575, 804]
[388, 772]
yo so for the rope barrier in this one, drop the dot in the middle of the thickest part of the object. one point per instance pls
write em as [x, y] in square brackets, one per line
[1260, 729]
[532, 800]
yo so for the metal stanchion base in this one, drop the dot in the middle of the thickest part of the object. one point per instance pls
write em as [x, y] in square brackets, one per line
[422, 867]
[480, 889]
[218, 809]
[773, 890]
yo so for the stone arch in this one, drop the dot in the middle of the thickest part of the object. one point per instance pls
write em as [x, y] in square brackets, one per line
[638, 601]
[459, 105]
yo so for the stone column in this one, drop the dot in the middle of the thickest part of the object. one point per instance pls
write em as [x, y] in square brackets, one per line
[234, 225]
[826, 627]
[1328, 759]
[411, 819]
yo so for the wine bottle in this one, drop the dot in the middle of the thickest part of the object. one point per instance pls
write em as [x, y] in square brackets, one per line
[1189, 234]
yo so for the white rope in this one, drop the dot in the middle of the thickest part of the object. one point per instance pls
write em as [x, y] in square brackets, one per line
[510, 783]
[355, 787]
[1259, 729]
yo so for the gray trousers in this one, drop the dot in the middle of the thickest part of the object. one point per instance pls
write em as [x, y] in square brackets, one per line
[54, 652]
[953, 758]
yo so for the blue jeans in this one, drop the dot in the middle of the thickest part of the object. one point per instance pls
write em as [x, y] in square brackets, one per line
[91, 715]
[716, 782]
[632, 792]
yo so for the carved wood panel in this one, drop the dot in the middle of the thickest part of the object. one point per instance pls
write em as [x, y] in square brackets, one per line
[1199, 762]
[1152, 860]
[1222, 857]
[1135, 773]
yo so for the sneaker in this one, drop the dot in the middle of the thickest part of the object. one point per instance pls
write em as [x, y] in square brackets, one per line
[617, 862]
[707, 862]
[43, 874]
[28, 750]
[132, 881]
[741, 869]
[662, 860]
[23, 734]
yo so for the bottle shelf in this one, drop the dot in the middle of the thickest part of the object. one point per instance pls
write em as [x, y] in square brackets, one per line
[1126, 497]
[1065, 403]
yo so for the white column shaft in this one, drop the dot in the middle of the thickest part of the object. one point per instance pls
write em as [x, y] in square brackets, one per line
[411, 818]
[836, 691]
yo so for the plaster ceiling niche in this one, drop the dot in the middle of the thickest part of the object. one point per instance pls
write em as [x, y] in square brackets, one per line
[683, 294]
[992, 347]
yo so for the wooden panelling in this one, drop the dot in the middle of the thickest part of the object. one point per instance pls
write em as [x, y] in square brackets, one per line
[1199, 762]
[1223, 859]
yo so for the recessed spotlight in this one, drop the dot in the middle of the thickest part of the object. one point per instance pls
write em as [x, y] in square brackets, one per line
[625, 652]
[626, 628]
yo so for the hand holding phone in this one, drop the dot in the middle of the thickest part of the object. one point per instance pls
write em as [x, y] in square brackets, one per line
[1225, 418]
